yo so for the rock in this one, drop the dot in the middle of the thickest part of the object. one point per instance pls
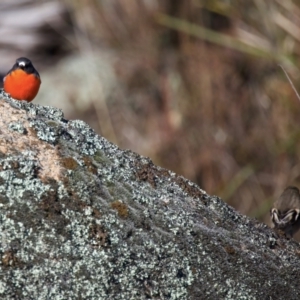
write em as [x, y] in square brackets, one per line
[82, 219]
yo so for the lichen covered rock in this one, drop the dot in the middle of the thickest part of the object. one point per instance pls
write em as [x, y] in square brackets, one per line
[82, 219]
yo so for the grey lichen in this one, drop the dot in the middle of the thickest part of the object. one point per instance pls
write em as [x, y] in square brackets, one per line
[18, 127]
[114, 226]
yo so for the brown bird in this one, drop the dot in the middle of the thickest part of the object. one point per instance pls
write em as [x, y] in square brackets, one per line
[286, 210]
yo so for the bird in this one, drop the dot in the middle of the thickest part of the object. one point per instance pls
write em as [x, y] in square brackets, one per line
[22, 81]
[285, 213]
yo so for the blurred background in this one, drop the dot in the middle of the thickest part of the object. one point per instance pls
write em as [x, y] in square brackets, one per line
[195, 85]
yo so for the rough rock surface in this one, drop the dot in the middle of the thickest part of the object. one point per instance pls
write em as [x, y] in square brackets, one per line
[82, 219]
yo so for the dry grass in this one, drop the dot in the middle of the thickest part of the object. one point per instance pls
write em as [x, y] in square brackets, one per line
[202, 91]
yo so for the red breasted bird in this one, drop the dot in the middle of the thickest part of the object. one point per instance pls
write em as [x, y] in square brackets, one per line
[285, 213]
[22, 81]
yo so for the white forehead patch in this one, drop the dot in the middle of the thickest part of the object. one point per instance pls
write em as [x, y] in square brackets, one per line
[22, 63]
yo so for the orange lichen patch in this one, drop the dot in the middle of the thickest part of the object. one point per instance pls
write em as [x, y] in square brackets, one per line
[147, 173]
[96, 213]
[89, 164]
[121, 208]
[98, 235]
[230, 250]
[50, 205]
[13, 141]
[9, 259]
[69, 163]
[32, 131]
[297, 252]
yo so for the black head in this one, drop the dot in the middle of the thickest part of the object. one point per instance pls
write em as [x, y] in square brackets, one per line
[26, 65]
[23, 62]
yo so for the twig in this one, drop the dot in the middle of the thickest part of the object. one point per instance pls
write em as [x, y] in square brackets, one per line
[290, 81]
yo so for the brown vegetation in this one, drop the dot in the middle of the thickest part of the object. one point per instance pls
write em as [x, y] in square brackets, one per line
[207, 101]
